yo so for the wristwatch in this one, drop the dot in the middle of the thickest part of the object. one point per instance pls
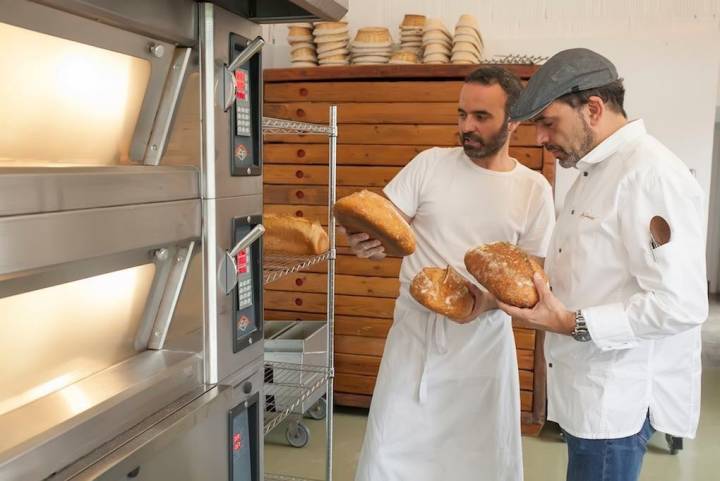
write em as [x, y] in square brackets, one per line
[580, 333]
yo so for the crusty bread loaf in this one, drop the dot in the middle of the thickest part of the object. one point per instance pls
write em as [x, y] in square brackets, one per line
[443, 291]
[293, 236]
[376, 216]
[506, 271]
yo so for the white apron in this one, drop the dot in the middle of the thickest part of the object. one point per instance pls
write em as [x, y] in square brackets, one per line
[446, 404]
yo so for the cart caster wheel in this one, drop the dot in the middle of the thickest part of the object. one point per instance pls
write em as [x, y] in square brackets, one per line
[318, 411]
[674, 444]
[297, 435]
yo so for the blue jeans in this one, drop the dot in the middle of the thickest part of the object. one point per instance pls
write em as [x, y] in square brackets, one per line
[607, 459]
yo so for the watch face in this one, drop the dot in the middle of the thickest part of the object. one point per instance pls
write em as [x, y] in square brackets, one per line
[582, 336]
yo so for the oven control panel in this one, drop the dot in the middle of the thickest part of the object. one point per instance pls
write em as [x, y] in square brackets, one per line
[246, 113]
[247, 298]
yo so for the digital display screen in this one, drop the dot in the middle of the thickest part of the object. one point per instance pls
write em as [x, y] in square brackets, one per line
[241, 448]
[244, 440]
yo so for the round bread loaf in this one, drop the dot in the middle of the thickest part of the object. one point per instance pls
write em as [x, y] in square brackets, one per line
[293, 235]
[506, 271]
[376, 216]
[443, 291]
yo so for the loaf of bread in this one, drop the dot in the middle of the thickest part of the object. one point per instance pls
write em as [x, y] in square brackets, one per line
[293, 236]
[376, 216]
[443, 291]
[506, 271]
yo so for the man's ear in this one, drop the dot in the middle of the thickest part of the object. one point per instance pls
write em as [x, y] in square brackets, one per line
[595, 109]
[512, 126]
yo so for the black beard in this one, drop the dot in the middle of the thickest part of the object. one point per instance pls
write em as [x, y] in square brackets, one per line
[570, 158]
[488, 147]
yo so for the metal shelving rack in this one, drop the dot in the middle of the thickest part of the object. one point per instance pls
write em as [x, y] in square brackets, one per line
[292, 384]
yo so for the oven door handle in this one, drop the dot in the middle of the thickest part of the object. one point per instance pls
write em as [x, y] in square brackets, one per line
[229, 72]
[228, 268]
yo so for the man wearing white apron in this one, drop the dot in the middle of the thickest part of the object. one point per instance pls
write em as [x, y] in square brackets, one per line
[446, 404]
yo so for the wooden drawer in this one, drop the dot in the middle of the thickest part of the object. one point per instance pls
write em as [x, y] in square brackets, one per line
[309, 195]
[371, 155]
[344, 284]
[437, 135]
[362, 91]
[348, 154]
[318, 175]
[364, 385]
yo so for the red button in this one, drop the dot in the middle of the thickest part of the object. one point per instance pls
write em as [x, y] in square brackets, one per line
[242, 269]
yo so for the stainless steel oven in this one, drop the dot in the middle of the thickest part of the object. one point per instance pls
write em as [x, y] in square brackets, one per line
[130, 219]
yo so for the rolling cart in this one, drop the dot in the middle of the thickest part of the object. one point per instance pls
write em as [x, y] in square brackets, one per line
[299, 366]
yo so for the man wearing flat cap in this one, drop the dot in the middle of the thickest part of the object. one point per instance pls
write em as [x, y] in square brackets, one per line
[626, 264]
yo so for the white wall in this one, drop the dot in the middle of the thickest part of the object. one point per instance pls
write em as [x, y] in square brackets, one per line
[667, 51]
[713, 248]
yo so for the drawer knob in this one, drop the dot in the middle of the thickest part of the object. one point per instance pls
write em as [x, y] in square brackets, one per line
[301, 153]
[304, 92]
[299, 282]
[299, 174]
[300, 112]
[299, 194]
[299, 213]
[298, 302]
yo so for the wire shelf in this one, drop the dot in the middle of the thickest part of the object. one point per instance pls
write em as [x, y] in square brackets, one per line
[282, 477]
[281, 126]
[517, 59]
[276, 266]
[287, 386]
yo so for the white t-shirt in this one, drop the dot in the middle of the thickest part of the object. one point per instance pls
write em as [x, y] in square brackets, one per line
[456, 205]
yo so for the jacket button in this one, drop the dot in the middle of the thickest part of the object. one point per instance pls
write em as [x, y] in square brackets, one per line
[550, 364]
[560, 250]
[572, 212]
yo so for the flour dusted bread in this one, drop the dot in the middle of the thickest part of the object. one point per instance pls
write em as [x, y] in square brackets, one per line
[443, 291]
[293, 236]
[506, 271]
[372, 214]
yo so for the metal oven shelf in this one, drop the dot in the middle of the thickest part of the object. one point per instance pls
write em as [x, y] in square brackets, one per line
[280, 477]
[281, 126]
[276, 266]
[287, 387]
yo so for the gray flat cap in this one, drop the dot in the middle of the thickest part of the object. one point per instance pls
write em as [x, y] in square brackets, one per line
[566, 72]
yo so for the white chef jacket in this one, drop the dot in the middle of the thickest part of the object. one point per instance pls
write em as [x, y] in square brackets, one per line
[644, 307]
[446, 403]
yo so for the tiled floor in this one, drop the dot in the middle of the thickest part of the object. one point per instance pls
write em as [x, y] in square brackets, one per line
[544, 457]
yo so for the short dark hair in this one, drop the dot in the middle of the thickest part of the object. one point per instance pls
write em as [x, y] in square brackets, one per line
[613, 94]
[492, 75]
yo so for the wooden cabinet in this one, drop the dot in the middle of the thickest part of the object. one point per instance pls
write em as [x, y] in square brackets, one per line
[387, 115]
